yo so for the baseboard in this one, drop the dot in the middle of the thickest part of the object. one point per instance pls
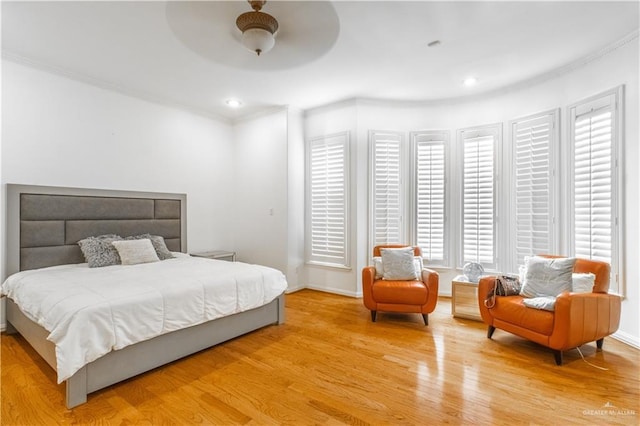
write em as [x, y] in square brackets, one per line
[3, 318]
[290, 290]
[627, 338]
[339, 291]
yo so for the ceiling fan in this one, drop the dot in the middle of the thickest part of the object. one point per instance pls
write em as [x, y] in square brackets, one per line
[305, 31]
[258, 28]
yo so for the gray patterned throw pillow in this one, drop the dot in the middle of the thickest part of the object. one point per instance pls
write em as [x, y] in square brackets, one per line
[158, 245]
[99, 252]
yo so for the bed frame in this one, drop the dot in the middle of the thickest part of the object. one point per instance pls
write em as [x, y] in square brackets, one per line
[43, 225]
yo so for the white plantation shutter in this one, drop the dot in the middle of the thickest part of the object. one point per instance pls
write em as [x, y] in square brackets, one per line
[386, 196]
[594, 144]
[327, 203]
[592, 186]
[430, 198]
[478, 194]
[534, 155]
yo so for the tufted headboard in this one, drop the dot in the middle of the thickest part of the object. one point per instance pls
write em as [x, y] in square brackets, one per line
[45, 223]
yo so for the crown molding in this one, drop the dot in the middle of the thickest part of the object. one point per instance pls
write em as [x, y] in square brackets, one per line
[571, 66]
[344, 103]
[102, 84]
[258, 114]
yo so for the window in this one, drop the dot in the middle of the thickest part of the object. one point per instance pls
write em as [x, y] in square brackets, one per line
[534, 185]
[327, 202]
[478, 194]
[594, 125]
[386, 192]
[429, 173]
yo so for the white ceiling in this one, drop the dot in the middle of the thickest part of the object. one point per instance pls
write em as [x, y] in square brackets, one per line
[188, 54]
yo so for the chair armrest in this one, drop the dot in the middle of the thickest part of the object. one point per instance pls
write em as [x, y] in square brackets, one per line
[485, 285]
[431, 279]
[368, 276]
[584, 317]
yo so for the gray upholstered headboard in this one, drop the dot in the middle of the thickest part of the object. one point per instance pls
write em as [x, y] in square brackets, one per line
[45, 223]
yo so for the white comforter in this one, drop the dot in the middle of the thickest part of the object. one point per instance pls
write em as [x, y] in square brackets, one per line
[92, 311]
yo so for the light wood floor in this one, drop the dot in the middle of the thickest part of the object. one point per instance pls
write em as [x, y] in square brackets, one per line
[329, 364]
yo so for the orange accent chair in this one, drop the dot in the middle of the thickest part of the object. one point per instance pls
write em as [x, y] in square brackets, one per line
[418, 296]
[578, 318]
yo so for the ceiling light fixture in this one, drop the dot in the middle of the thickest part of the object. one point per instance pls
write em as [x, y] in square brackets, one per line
[233, 103]
[257, 28]
[470, 81]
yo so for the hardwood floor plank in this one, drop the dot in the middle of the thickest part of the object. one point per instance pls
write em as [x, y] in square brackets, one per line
[330, 365]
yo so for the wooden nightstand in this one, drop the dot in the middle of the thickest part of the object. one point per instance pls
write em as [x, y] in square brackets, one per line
[217, 254]
[464, 300]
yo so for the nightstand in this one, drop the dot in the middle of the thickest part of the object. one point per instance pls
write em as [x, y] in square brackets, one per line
[464, 300]
[217, 254]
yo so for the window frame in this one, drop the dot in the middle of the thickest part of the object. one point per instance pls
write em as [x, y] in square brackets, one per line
[402, 228]
[494, 130]
[443, 136]
[554, 182]
[607, 98]
[344, 261]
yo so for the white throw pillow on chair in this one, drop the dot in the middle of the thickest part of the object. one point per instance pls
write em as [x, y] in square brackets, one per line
[547, 276]
[399, 264]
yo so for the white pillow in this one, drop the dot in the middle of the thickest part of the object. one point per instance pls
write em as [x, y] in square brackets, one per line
[398, 264]
[547, 277]
[133, 252]
[582, 283]
[417, 264]
[158, 245]
[546, 303]
[522, 270]
[377, 262]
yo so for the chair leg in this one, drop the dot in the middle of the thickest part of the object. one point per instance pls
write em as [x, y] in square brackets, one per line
[490, 331]
[599, 343]
[373, 316]
[425, 317]
[558, 356]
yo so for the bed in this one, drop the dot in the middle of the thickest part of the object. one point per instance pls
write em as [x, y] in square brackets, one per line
[43, 227]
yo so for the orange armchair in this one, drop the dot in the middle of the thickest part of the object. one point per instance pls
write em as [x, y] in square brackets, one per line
[578, 318]
[419, 296]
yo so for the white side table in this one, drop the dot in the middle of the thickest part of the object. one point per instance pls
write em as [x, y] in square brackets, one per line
[464, 300]
[217, 254]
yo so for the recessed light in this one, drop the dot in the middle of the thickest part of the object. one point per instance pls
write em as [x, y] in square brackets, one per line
[470, 81]
[233, 103]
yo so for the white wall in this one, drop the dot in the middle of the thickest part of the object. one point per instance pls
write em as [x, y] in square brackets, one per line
[268, 215]
[260, 190]
[617, 67]
[60, 132]
[295, 181]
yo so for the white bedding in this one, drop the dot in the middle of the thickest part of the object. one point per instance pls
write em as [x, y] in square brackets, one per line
[92, 311]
